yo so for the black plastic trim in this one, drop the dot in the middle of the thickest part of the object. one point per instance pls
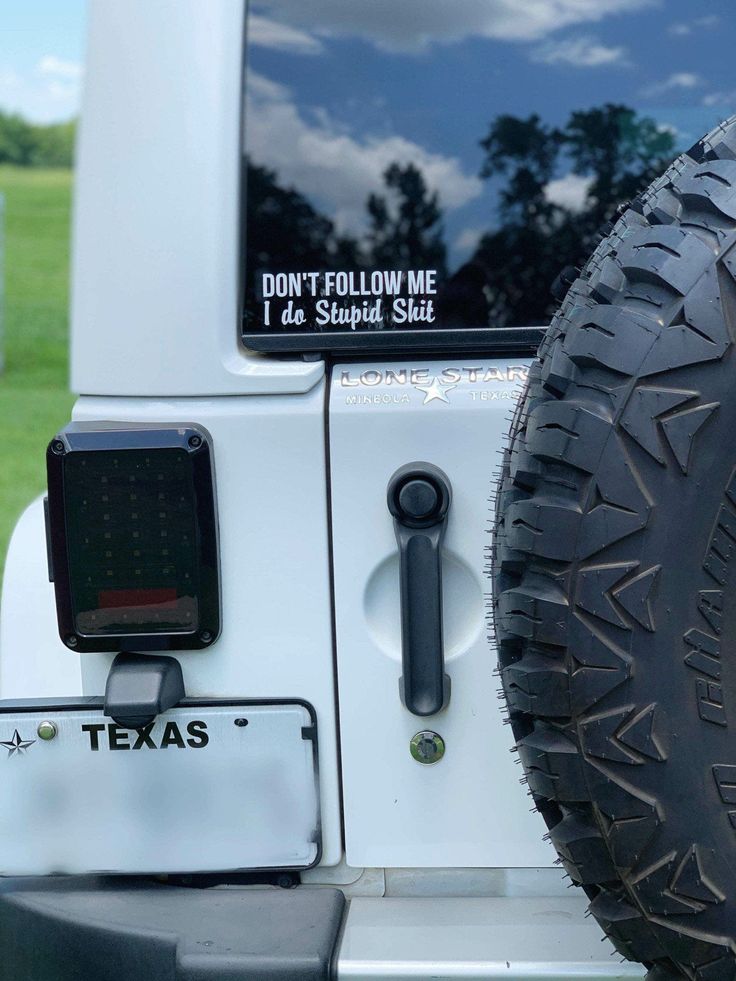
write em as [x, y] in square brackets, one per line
[326, 422]
[47, 526]
[102, 929]
[496, 340]
[142, 686]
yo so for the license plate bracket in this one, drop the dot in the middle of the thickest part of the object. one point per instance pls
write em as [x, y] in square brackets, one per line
[211, 786]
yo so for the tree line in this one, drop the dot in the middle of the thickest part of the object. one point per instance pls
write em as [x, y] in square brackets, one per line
[26, 144]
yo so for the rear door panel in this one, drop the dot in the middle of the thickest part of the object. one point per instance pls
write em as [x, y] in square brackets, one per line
[469, 808]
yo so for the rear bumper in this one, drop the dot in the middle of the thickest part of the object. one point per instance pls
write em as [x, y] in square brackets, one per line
[477, 939]
[101, 930]
[98, 929]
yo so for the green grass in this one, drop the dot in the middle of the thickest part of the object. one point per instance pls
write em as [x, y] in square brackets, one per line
[34, 396]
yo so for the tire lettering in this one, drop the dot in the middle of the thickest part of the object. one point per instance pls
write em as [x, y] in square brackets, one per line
[725, 777]
[721, 546]
[710, 604]
[705, 654]
[710, 702]
[703, 646]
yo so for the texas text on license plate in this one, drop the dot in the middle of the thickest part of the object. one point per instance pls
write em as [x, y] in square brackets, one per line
[209, 786]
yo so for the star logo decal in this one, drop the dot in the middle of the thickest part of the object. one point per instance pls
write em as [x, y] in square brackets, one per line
[16, 744]
[435, 390]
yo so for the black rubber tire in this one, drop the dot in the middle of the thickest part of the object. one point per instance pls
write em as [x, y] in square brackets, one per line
[614, 580]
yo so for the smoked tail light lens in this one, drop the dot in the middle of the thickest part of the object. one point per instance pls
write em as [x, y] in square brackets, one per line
[132, 530]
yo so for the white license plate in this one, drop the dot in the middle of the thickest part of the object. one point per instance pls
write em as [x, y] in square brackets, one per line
[208, 787]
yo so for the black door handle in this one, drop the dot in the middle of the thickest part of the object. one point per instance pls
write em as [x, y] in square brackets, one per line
[419, 498]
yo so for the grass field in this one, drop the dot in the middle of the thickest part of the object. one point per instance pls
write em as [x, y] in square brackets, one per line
[34, 397]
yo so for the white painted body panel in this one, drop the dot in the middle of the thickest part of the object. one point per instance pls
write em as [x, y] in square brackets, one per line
[469, 809]
[33, 661]
[276, 639]
[155, 283]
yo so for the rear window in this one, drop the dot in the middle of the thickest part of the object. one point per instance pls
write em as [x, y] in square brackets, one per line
[419, 165]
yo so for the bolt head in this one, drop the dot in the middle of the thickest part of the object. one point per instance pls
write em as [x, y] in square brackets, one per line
[427, 747]
[46, 730]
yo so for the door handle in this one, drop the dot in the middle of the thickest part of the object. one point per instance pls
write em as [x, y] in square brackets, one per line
[419, 496]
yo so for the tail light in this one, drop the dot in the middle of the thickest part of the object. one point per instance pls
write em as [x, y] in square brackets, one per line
[132, 533]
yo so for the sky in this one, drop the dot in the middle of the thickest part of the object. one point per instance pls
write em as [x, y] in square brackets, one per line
[338, 90]
[41, 57]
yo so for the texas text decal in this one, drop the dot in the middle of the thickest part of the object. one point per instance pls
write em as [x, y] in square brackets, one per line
[349, 300]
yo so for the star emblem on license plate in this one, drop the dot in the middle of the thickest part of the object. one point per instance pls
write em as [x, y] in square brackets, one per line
[16, 744]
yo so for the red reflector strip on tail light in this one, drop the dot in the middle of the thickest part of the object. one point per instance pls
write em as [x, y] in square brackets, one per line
[113, 599]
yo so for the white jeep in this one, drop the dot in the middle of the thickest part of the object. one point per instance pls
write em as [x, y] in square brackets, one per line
[250, 729]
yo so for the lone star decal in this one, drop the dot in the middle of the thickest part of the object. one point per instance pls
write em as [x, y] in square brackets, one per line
[16, 744]
[435, 390]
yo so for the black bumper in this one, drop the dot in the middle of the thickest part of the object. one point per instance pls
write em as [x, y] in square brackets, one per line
[95, 929]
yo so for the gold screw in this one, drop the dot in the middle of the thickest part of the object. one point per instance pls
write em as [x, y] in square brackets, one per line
[427, 746]
[46, 730]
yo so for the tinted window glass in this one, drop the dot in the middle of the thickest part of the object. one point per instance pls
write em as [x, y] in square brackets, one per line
[426, 164]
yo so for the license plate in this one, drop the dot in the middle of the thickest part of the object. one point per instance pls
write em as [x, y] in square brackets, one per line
[207, 787]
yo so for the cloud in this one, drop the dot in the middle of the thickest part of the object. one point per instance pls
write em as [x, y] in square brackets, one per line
[58, 68]
[414, 24]
[570, 191]
[720, 99]
[580, 52]
[262, 89]
[468, 238]
[47, 94]
[679, 81]
[63, 83]
[333, 167]
[271, 34]
[683, 28]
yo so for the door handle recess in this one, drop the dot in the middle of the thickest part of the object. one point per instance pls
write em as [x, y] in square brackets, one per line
[419, 497]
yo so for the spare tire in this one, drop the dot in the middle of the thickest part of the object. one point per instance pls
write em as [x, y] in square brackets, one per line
[614, 567]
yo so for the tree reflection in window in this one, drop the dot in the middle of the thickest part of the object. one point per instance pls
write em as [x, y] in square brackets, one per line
[506, 281]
